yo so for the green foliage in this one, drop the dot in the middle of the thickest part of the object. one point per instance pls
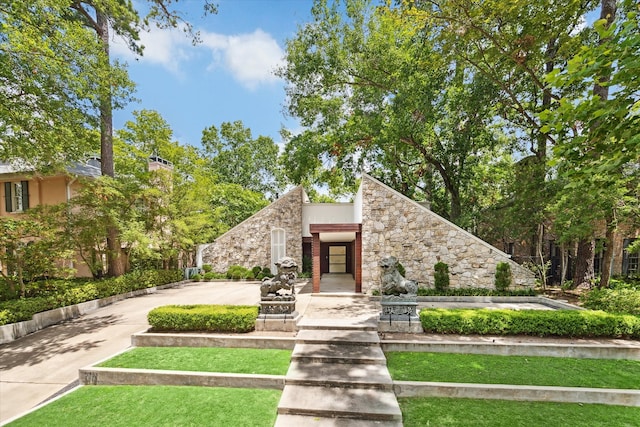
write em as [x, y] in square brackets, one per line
[503, 276]
[307, 264]
[543, 323]
[625, 301]
[211, 318]
[207, 268]
[196, 277]
[401, 269]
[476, 292]
[62, 293]
[256, 271]
[441, 276]
[239, 272]
[33, 247]
[237, 158]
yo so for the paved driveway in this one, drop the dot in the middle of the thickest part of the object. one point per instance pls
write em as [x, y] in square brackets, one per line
[35, 367]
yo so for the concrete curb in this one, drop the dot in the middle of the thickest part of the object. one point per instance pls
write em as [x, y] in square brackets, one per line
[514, 392]
[194, 340]
[581, 351]
[117, 376]
[13, 331]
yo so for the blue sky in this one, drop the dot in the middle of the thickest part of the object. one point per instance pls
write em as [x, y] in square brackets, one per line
[228, 77]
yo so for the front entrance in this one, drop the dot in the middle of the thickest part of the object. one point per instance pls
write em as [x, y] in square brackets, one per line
[336, 257]
[336, 250]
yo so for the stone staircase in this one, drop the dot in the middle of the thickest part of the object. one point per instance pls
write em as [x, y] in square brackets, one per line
[338, 377]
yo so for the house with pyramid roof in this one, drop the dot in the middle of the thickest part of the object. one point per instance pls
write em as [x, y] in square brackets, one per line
[352, 238]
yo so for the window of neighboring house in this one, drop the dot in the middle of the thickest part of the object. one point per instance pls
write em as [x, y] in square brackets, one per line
[598, 256]
[630, 261]
[16, 196]
[278, 247]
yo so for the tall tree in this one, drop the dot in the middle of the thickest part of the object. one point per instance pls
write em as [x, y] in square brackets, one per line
[375, 91]
[237, 158]
[598, 146]
[51, 68]
[121, 17]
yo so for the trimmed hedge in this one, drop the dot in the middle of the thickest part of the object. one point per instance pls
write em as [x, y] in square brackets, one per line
[210, 318]
[563, 323]
[18, 310]
[475, 292]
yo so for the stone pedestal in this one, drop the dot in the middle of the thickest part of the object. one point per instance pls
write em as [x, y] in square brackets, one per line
[399, 314]
[277, 315]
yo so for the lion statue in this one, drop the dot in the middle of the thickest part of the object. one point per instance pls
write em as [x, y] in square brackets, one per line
[284, 280]
[392, 281]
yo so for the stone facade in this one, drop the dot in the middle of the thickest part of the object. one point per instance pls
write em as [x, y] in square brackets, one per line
[394, 225]
[249, 243]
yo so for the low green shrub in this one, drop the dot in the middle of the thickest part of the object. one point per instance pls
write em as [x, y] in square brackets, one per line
[256, 271]
[210, 318]
[239, 272]
[503, 277]
[441, 276]
[565, 323]
[619, 300]
[61, 293]
[196, 277]
[207, 268]
[209, 275]
[475, 292]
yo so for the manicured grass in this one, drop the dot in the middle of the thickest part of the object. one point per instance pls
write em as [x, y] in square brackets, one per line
[444, 412]
[204, 359]
[128, 406]
[517, 370]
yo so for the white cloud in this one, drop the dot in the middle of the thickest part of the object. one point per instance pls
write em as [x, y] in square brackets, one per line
[169, 48]
[250, 58]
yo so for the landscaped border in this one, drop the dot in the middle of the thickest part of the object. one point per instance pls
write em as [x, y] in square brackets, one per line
[12, 331]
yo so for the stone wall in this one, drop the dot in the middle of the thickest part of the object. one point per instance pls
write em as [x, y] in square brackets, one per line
[249, 243]
[393, 224]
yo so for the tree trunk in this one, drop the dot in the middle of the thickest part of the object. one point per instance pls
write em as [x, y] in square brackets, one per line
[584, 263]
[114, 260]
[564, 260]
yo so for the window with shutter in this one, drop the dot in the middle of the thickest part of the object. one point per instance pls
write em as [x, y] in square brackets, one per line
[16, 196]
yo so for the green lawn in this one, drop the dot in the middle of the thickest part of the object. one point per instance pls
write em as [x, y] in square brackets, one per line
[517, 370]
[204, 359]
[452, 412]
[129, 406]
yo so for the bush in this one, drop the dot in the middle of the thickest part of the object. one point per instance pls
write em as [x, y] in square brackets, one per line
[401, 269]
[196, 277]
[210, 318]
[208, 276]
[257, 270]
[564, 323]
[60, 293]
[503, 276]
[238, 272]
[620, 300]
[207, 268]
[476, 292]
[441, 276]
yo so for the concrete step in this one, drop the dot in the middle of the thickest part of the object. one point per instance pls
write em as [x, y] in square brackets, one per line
[302, 420]
[337, 336]
[346, 375]
[363, 324]
[335, 402]
[338, 353]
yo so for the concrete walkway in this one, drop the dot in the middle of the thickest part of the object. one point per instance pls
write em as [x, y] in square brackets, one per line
[43, 364]
[40, 365]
